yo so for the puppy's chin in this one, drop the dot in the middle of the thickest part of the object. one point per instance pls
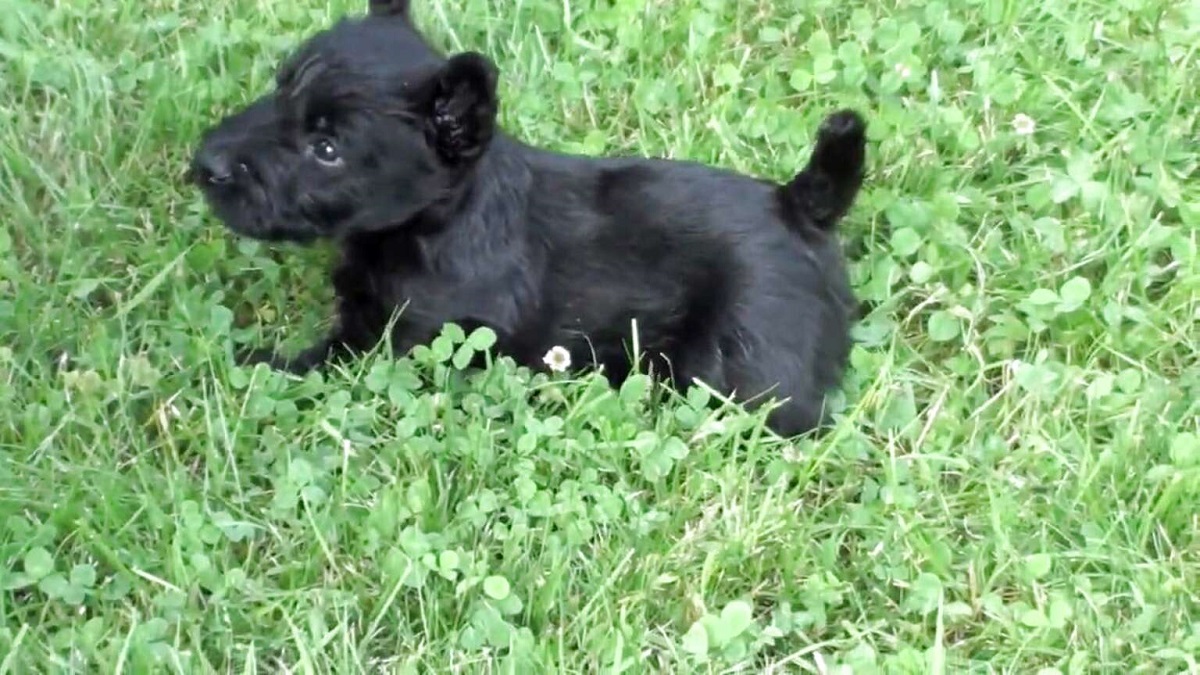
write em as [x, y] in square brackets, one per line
[276, 235]
[245, 218]
[270, 230]
[279, 233]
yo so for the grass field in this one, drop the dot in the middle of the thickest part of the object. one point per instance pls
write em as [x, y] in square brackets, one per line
[1014, 480]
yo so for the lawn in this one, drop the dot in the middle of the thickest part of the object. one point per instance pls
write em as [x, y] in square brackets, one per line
[1012, 484]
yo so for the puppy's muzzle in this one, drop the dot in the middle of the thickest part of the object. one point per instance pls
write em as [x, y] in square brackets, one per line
[217, 168]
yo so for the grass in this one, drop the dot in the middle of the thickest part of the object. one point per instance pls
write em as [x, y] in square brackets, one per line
[1012, 486]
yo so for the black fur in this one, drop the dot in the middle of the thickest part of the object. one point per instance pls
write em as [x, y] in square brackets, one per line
[376, 140]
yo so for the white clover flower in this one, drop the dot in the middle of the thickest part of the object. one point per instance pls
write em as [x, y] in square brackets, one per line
[557, 359]
[1023, 124]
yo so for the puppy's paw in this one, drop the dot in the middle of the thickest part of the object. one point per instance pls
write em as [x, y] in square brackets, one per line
[841, 145]
[248, 357]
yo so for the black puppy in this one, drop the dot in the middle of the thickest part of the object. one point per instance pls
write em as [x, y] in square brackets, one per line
[376, 140]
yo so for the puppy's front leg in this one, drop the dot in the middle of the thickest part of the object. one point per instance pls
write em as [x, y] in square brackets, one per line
[306, 360]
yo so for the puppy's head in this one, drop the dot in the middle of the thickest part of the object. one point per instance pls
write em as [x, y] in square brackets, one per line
[368, 126]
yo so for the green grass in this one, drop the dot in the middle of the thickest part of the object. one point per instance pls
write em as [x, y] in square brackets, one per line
[1012, 486]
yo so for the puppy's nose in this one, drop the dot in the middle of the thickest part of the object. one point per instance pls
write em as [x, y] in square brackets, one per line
[216, 168]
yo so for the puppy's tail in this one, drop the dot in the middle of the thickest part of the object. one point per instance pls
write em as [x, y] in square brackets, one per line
[824, 191]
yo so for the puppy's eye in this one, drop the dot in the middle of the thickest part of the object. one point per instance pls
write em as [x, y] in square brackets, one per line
[325, 151]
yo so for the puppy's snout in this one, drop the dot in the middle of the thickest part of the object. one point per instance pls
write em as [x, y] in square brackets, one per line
[218, 168]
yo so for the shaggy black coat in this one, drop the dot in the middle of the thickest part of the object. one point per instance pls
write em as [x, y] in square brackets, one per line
[376, 140]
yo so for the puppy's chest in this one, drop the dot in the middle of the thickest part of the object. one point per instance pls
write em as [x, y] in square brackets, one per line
[422, 301]
[373, 291]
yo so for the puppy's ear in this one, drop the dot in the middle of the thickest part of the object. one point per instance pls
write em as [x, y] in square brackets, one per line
[388, 8]
[461, 107]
